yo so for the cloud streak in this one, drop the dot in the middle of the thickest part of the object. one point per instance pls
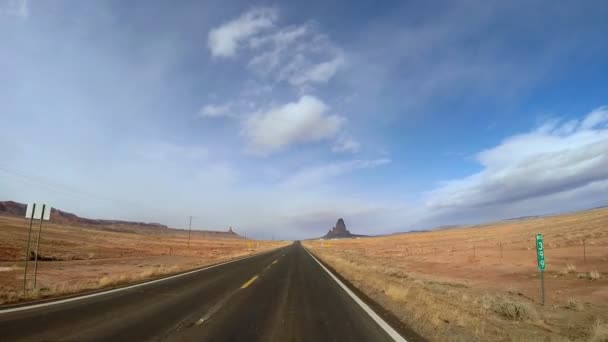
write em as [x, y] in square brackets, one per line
[320, 174]
[299, 57]
[555, 158]
[215, 111]
[225, 39]
[16, 8]
[346, 145]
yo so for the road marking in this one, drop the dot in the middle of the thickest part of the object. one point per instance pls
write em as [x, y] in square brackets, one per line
[215, 308]
[249, 282]
[57, 302]
[382, 323]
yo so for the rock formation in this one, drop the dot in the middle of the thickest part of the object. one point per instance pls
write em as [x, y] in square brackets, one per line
[339, 231]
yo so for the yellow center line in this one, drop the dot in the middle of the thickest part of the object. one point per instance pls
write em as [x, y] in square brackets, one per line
[274, 262]
[249, 282]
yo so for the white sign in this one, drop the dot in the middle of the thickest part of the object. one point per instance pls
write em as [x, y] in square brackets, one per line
[38, 213]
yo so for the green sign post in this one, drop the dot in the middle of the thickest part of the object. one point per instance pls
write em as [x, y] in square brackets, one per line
[540, 254]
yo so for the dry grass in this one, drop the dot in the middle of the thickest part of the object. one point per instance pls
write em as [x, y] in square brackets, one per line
[511, 309]
[574, 304]
[115, 280]
[592, 275]
[570, 268]
[458, 285]
[82, 259]
[599, 332]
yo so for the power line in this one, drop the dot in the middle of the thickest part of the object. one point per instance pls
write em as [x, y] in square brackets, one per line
[72, 192]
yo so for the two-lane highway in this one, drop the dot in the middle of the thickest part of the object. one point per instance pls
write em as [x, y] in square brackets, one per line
[283, 295]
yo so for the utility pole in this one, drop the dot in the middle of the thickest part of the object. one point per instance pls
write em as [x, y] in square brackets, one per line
[189, 229]
[584, 251]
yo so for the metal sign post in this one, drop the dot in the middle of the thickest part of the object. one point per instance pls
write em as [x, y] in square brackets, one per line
[540, 254]
[38, 244]
[29, 214]
[39, 213]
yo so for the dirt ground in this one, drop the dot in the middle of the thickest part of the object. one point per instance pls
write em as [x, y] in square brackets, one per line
[482, 282]
[82, 259]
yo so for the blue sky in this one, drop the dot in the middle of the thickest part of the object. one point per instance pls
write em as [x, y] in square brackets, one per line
[278, 118]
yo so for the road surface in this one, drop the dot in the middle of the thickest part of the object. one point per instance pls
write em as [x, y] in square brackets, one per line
[283, 295]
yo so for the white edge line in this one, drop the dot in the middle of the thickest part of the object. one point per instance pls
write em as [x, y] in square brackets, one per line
[61, 301]
[382, 323]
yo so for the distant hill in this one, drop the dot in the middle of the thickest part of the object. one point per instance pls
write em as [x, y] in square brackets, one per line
[529, 217]
[519, 218]
[11, 208]
[340, 231]
[446, 227]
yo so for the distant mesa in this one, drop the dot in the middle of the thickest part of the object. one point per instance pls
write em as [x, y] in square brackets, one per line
[11, 208]
[339, 231]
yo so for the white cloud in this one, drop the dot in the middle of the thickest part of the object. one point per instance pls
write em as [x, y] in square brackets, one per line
[557, 167]
[318, 73]
[346, 144]
[298, 54]
[304, 59]
[553, 159]
[281, 38]
[215, 111]
[18, 8]
[598, 117]
[225, 39]
[297, 122]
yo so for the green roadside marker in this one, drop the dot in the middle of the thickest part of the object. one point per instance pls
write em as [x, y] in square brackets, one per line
[540, 255]
[540, 252]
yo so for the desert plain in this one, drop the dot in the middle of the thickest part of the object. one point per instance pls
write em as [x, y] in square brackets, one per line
[470, 283]
[482, 283]
[80, 259]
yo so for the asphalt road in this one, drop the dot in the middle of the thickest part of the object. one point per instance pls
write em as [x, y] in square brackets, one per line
[283, 295]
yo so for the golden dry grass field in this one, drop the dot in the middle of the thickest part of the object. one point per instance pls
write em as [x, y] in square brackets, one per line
[88, 259]
[457, 285]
